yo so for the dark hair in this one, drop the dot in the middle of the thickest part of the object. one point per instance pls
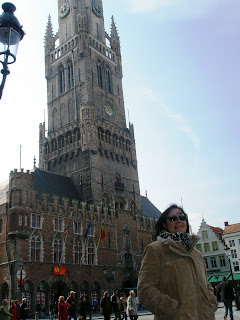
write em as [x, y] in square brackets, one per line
[163, 217]
[106, 293]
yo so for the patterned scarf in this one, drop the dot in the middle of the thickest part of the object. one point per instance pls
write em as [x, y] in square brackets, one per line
[179, 237]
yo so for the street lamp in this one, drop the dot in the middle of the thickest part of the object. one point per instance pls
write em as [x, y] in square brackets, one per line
[228, 254]
[109, 276]
[11, 34]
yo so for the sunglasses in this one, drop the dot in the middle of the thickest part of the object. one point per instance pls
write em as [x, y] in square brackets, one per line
[174, 218]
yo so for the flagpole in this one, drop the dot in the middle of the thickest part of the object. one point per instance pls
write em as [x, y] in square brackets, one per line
[100, 236]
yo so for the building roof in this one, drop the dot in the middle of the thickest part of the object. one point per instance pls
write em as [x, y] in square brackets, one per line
[218, 231]
[232, 228]
[54, 184]
[148, 209]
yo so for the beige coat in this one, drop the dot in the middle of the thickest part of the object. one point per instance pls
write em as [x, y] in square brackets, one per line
[172, 282]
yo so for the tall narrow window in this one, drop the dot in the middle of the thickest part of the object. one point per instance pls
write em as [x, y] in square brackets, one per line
[78, 251]
[57, 250]
[90, 253]
[61, 79]
[109, 80]
[70, 80]
[100, 74]
[35, 248]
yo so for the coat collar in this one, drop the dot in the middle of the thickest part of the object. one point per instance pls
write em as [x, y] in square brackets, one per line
[179, 248]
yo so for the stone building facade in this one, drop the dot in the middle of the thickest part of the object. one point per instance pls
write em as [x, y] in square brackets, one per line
[211, 245]
[87, 178]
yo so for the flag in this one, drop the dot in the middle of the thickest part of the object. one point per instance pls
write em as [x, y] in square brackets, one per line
[102, 233]
[88, 228]
[68, 226]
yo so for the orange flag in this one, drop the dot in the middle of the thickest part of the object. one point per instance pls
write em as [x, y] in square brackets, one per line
[102, 233]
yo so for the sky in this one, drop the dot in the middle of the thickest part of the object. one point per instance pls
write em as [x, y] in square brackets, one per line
[181, 90]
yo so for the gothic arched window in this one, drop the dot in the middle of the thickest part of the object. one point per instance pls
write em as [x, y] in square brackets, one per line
[61, 76]
[109, 86]
[36, 248]
[90, 250]
[70, 80]
[100, 74]
[57, 250]
[100, 134]
[78, 251]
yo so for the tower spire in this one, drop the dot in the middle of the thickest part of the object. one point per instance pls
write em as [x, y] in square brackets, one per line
[49, 29]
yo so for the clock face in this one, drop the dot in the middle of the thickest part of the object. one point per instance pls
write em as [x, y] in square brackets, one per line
[64, 10]
[97, 9]
[109, 110]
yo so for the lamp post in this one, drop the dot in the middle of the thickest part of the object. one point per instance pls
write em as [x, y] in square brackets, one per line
[109, 276]
[228, 254]
[11, 34]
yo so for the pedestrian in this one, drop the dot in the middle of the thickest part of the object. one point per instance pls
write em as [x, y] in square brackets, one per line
[225, 292]
[24, 309]
[116, 304]
[89, 308]
[83, 307]
[132, 305]
[72, 309]
[18, 309]
[172, 281]
[13, 310]
[106, 306]
[62, 309]
[52, 308]
[38, 310]
[5, 314]
[95, 304]
[123, 300]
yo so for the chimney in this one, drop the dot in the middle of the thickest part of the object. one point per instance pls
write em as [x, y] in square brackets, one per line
[226, 223]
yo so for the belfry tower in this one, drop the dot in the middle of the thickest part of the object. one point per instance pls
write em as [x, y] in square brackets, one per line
[88, 139]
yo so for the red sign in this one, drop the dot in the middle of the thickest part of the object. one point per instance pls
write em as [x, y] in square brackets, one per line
[19, 282]
[60, 271]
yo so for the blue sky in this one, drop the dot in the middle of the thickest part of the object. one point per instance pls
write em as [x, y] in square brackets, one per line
[181, 87]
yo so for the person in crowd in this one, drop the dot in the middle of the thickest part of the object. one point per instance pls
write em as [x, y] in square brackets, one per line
[52, 308]
[226, 294]
[172, 281]
[38, 310]
[62, 309]
[83, 307]
[132, 305]
[72, 309]
[13, 310]
[24, 309]
[106, 306]
[5, 314]
[89, 308]
[95, 304]
[116, 304]
[123, 300]
[18, 309]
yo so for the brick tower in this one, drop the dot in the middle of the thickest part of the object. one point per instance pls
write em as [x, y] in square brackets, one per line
[88, 139]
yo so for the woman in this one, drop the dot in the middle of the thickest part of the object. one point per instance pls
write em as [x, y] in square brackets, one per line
[13, 310]
[106, 306]
[132, 305]
[62, 309]
[123, 300]
[172, 281]
[4, 311]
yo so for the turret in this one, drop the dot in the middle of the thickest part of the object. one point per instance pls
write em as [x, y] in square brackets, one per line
[49, 45]
[114, 39]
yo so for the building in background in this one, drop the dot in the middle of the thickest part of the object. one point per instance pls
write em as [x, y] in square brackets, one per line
[211, 245]
[78, 221]
[231, 236]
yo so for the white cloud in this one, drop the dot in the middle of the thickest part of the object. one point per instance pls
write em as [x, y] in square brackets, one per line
[179, 120]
